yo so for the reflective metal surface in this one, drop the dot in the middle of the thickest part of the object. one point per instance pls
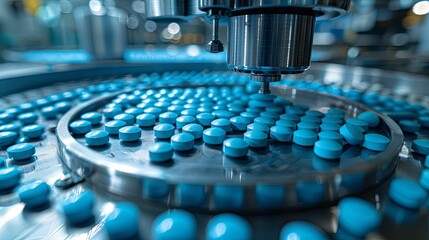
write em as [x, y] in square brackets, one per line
[171, 9]
[270, 43]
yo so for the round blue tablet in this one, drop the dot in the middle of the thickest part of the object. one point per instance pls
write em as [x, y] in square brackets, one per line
[160, 152]
[424, 121]
[33, 131]
[314, 113]
[250, 116]
[93, 117]
[290, 117]
[295, 111]
[269, 122]
[324, 127]
[125, 117]
[407, 193]
[130, 133]
[123, 222]
[34, 194]
[28, 118]
[409, 126]
[49, 112]
[163, 131]
[358, 122]
[78, 208]
[8, 138]
[63, 107]
[258, 127]
[223, 114]
[328, 149]
[9, 178]
[228, 226]
[222, 123]
[308, 126]
[424, 178]
[305, 138]
[194, 129]
[182, 142]
[112, 127]
[21, 151]
[239, 123]
[184, 120]
[303, 231]
[109, 113]
[332, 120]
[205, 119]
[2, 162]
[168, 117]
[134, 111]
[146, 120]
[310, 119]
[358, 217]
[352, 134]
[273, 115]
[270, 195]
[97, 138]
[154, 110]
[189, 112]
[370, 117]
[375, 142]
[263, 97]
[80, 127]
[214, 136]
[420, 146]
[281, 134]
[333, 136]
[10, 127]
[235, 147]
[256, 139]
[6, 117]
[174, 224]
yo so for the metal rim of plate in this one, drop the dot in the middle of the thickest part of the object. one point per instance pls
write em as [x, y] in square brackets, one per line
[134, 180]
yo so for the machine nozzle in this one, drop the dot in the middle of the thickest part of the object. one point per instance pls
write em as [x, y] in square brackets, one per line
[215, 45]
[265, 80]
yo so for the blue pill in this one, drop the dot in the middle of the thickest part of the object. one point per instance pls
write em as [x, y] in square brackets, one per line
[8, 138]
[130, 133]
[409, 126]
[290, 117]
[125, 117]
[333, 127]
[314, 113]
[134, 111]
[34, 194]
[49, 112]
[6, 118]
[260, 104]
[358, 122]
[269, 122]
[194, 129]
[146, 120]
[214, 136]
[308, 126]
[112, 127]
[272, 115]
[182, 142]
[281, 134]
[229, 196]
[163, 131]
[10, 127]
[21, 151]
[174, 224]
[93, 117]
[2, 162]
[9, 178]
[228, 226]
[424, 178]
[110, 113]
[154, 110]
[235, 147]
[189, 112]
[270, 196]
[250, 116]
[424, 121]
[184, 120]
[168, 117]
[427, 161]
[295, 111]
[258, 127]
[305, 138]
[286, 123]
[33, 131]
[190, 195]
[63, 107]
[175, 108]
[80, 127]
[263, 97]
[97, 138]
[407, 193]
[328, 149]
[28, 118]
[310, 119]
[205, 119]
[303, 231]
[420, 146]
[256, 139]
[370, 117]
[123, 222]
[332, 120]
[78, 208]
[352, 134]
[239, 123]
[223, 114]
[160, 152]
[358, 217]
[155, 189]
[222, 123]
[333, 136]
[375, 142]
